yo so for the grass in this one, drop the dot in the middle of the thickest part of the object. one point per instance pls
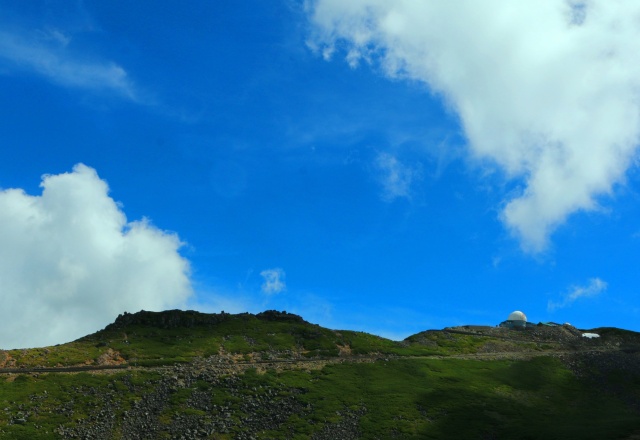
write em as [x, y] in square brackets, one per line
[408, 396]
[423, 398]
[48, 400]
[405, 398]
[238, 334]
[244, 334]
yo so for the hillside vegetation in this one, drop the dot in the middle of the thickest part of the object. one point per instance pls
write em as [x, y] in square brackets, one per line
[274, 375]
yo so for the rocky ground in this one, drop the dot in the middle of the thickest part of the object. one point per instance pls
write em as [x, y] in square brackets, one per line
[214, 401]
[252, 411]
[613, 372]
[246, 411]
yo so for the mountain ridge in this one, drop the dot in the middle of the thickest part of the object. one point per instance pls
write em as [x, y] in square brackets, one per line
[190, 375]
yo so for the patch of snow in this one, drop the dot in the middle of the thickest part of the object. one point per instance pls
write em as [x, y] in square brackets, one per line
[590, 335]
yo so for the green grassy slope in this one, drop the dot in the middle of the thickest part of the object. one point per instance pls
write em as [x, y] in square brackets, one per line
[430, 386]
[159, 338]
[155, 338]
[402, 398]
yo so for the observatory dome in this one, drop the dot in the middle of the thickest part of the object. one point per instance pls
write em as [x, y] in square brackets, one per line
[517, 316]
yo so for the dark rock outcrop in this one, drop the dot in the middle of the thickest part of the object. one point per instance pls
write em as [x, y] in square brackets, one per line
[190, 318]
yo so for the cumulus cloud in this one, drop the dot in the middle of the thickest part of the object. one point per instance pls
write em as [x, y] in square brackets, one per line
[593, 288]
[70, 262]
[46, 53]
[396, 178]
[546, 90]
[273, 281]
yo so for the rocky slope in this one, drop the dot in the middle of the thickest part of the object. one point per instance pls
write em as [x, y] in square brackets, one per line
[189, 375]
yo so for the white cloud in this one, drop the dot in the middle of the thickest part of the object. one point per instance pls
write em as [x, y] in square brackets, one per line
[273, 281]
[396, 178]
[70, 262]
[47, 54]
[547, 90]
[595, 287]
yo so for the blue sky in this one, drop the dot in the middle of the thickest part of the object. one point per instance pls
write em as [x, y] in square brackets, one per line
[381, 166]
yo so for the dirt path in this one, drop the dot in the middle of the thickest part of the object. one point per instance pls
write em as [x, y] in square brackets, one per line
[289, 364]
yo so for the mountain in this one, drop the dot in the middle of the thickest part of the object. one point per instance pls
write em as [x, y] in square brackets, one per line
[189, 375]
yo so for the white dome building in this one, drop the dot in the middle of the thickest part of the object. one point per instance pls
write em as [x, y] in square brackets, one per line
[516, 319]
[517, 316]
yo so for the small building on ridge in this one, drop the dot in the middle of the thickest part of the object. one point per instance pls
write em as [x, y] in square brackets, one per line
[516, 320]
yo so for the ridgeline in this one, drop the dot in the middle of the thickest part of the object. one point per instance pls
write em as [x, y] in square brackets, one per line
[190, 375]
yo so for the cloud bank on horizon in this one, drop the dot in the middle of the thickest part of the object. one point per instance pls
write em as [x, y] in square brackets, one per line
[548, 91]
[70, 260]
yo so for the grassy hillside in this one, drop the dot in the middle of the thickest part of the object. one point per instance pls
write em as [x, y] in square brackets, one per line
[158, 338]
[273, 375]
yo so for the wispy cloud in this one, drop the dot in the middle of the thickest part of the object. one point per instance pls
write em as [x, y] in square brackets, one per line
[46, 53]
[548, 91]
[273, 281]
[593, 288]
[395, 177]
